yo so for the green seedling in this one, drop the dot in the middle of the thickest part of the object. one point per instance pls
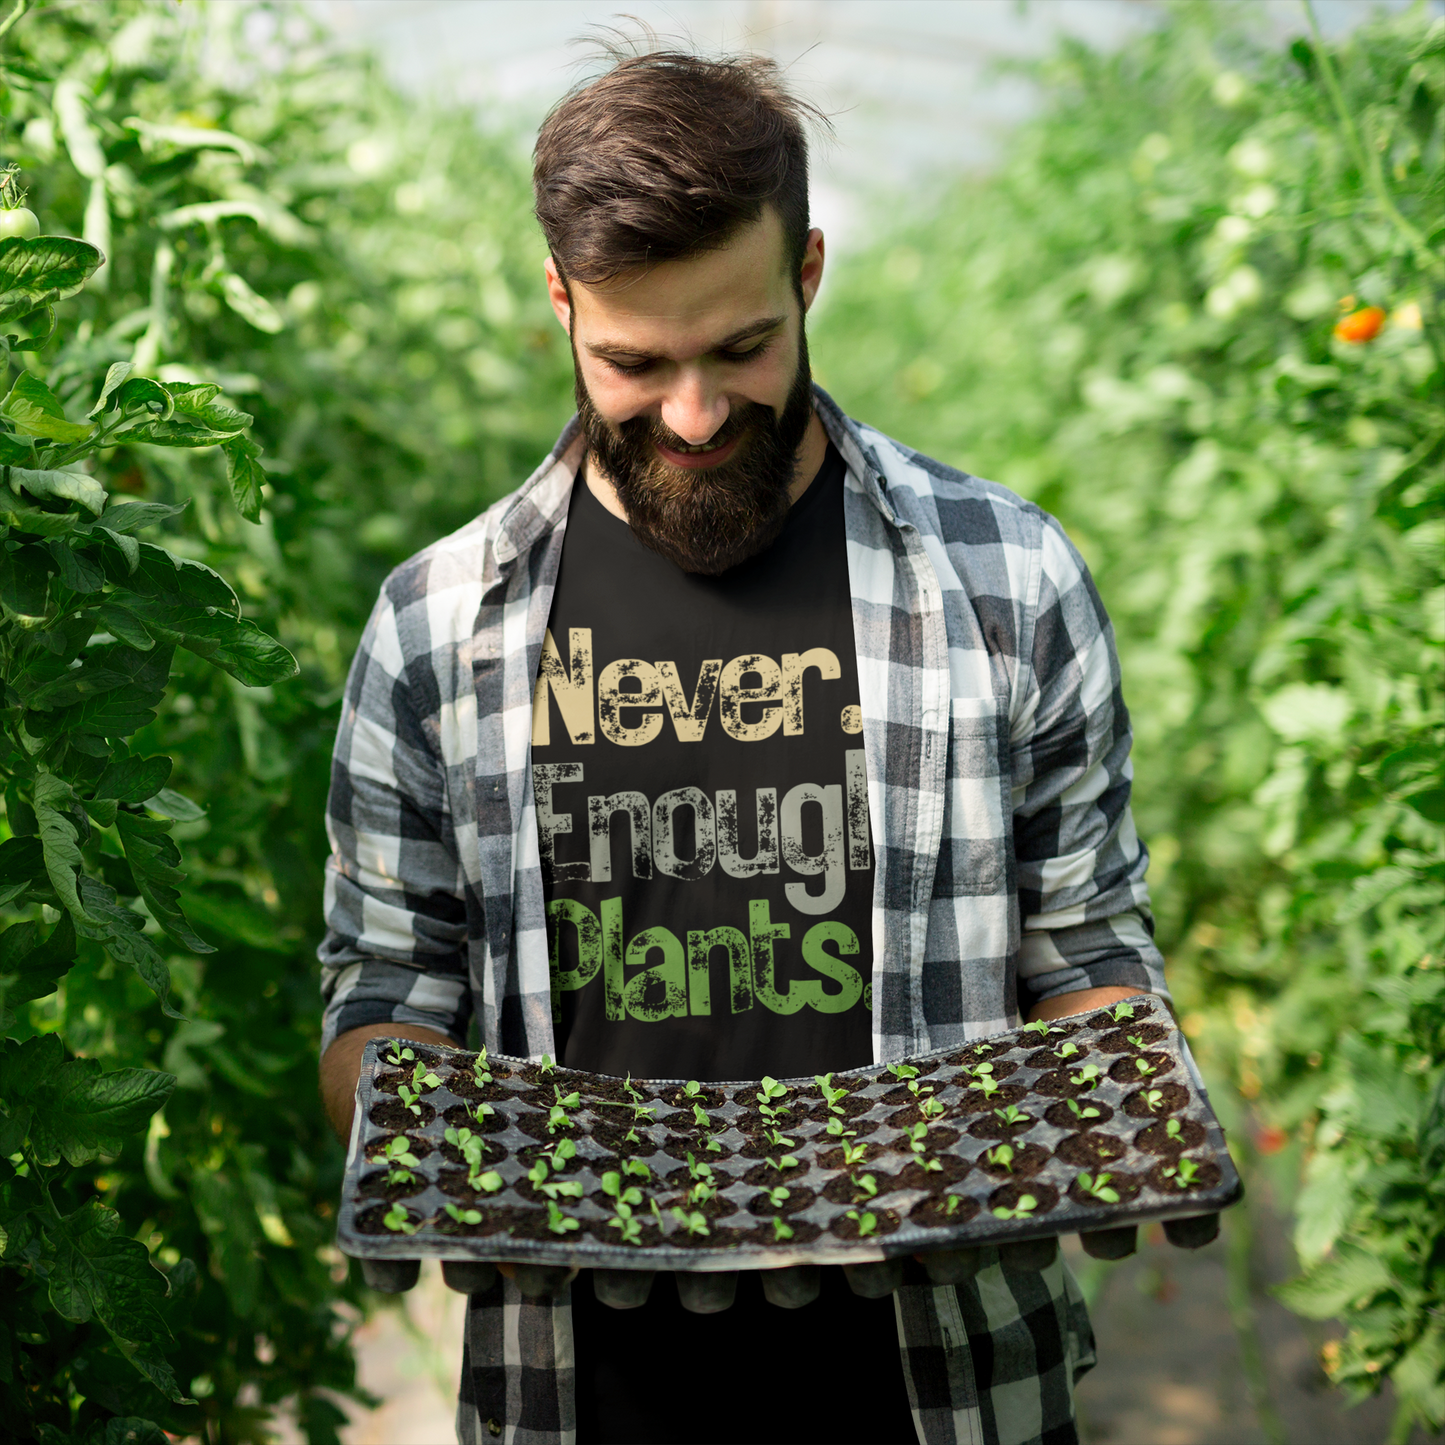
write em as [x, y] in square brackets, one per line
[1099, 1187]
[952, 1203]
[1022, 1210]
[656, 1212]
[480, 1072]
[1088, 1077]
[931, 1108]
[1123, 1011]
[778, 1195]
[629, 1228]
[557, 1222]
[781, 1229]
[836, 1129]
[853, 1153]
[398, 1220]
[631, 1090]
[613, 1187]
[486, 1183]
[771, 1090]
[867, 1186]
[778, 1139]
[1184, 1173]
[788, 1161]
[917, 1136]
[692, 1089]
[700, 1117]
[1173, 1129]
[547, 1065]
[903, 1072]
[1037, 1027]
[701, 1192]
[556, 1188]
[400, 1176]
[557, 1115]
[867, 1222]
[1145, 1067]
[699, 1171]
[398, 1152]
[422, 1081]
[832, 1095]
[695, 1222]
[1067, 1049]
[980, 1069]
[1137, 1040]
[637, 1169]
[478, 1111]
[463, 1216]
[1001, 1156]
[1011, 1114]
[565, 1149]
[1154, 1099]
[397, 1057]
[1085, 1111]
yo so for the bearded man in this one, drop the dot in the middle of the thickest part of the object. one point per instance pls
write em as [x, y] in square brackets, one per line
[739, 740]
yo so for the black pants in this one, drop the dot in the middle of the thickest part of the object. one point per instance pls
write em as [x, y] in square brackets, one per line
[826, 1374]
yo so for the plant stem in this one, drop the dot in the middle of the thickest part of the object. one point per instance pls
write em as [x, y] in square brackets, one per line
[19, 8]
[1366, 157]
[1239, 1243]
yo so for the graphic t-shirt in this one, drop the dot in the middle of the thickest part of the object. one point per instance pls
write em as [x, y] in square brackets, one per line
[702, 808]
[702, 815]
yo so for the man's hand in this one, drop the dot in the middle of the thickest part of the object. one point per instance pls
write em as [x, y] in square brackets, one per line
[341, 1067]
[1085, 1001]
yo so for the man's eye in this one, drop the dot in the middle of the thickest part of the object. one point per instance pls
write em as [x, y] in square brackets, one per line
[634, 368]
[748, 354]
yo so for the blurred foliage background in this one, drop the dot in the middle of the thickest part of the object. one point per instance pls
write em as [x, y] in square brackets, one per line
[1133, 321]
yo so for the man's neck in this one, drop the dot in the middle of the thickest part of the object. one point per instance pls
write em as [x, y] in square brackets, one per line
[809, 461]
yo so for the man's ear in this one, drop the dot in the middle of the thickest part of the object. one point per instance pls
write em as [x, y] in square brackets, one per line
[810, 277]
[557, 295]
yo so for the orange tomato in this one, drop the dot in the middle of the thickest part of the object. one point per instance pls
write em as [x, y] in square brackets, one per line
[1361, 325]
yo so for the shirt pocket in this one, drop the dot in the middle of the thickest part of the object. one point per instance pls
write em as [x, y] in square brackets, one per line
[978, 821]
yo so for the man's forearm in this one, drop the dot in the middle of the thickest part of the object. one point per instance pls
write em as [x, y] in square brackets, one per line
[341, 1067]
[1085, 1000]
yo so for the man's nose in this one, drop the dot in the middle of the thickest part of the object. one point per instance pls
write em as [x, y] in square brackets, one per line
[694, 409]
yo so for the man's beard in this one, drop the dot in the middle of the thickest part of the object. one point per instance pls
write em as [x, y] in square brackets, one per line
[705, 519]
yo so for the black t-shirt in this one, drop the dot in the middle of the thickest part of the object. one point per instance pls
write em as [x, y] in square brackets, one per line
[708, 871]
[702, 808]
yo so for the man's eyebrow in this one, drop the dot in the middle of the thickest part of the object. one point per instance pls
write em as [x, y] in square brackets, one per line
[743, 333]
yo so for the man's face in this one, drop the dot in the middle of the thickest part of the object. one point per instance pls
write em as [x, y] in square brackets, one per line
[694, 392]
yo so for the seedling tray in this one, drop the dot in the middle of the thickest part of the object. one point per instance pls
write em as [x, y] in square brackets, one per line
[1012, 1089]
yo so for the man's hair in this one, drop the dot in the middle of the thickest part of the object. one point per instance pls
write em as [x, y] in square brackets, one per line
[666, 156]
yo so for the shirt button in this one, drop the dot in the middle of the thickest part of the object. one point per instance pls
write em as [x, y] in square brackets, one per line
[494, 1426]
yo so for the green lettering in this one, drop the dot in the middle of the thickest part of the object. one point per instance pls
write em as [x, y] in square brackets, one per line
[844, 974]
[699, 953]
[589, 943]
[612, 956]
[764, 933]
[669, 974]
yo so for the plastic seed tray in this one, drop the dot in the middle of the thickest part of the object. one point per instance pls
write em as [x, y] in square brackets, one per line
[1089, 1124]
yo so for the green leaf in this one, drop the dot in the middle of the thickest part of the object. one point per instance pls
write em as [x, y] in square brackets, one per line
[250, 306]
[32, 330]
[171, 804]
[59, 839]
[154, 861]
[86, 1113]
[66, 486]
[36, 968]
[119, 929]
[34, 273]
[124, 625]
[120, 711]
[160, 576]
[1347, 1279]
[132, 1430]
[1429, 803]
[123, 518]
[115, 374]
[239, 647]
[245, 475]
[36, 410]
[20, 858]
[141, 395]
[77, 571]
[16, 451]
[133, 780]
[24, 579]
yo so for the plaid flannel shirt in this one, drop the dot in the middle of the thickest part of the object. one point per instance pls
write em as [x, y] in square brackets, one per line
[1008, 868]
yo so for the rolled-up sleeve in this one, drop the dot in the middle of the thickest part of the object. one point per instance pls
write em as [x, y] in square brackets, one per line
[395, 945]
[1083, 901]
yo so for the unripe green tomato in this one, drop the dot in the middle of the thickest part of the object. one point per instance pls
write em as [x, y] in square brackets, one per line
[19, 222]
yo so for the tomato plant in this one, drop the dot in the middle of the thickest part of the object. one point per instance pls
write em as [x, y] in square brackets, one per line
[1136, 321]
